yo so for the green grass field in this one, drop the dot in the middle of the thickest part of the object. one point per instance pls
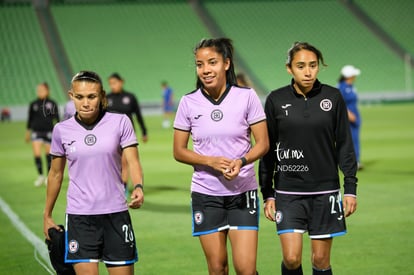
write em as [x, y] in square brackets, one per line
[380, 238]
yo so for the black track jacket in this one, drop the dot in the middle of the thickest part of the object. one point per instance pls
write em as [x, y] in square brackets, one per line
[309, 137]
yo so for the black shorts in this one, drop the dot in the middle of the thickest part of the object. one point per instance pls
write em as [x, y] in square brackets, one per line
[45, 137]
[107, 237]
[217, 213]
[320, 215]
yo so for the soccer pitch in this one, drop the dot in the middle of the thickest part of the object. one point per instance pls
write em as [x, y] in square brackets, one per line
[380, 237]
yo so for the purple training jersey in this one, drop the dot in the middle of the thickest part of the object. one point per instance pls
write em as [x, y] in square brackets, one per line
[94, 162]
[220, 128]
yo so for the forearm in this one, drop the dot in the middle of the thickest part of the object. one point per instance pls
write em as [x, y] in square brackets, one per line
[187, 156]
[54, 185]
[136, 173]
[257, 151]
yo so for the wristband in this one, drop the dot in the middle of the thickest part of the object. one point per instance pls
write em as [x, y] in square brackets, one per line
[244, 161]
[139, 185]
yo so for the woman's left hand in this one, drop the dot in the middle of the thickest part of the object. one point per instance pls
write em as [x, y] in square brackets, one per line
[350, 205]
[137, 199]
[233, 170]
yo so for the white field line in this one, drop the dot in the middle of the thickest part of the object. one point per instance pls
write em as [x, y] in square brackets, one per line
[37, 243]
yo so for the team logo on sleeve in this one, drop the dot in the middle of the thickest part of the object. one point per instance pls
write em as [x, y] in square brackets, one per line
[73, 246]
[278, 217]
[326, 105]
[90, 140]
[198, 217]
[216, 115]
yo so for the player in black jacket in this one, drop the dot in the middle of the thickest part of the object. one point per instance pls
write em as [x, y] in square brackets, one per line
[121, 101]
[43, 113]
[309, 138]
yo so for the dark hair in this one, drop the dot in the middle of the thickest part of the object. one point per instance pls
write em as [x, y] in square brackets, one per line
[45, 84]
[298, 46]
[224, 47]
[242, 80]
[341, 78]
[89, 76]
[116, 76]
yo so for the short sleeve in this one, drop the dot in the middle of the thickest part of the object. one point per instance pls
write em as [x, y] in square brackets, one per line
[182, 121]
[57, 149]
[255, 112]
[127, 137]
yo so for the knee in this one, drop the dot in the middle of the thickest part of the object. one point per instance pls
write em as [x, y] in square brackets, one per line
[292, 261]
[321, 260]
[245, 270]
[218, 267]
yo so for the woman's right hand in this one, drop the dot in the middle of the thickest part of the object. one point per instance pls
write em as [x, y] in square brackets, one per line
[27, 137]
[270, 209]
[220, 164]
[47, 224]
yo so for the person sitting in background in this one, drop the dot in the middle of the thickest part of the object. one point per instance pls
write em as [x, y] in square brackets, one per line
[346, 85]
[43, 113]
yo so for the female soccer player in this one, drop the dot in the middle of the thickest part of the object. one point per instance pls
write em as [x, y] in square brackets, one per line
[98, 225]
[220, 116]
[309, 137]
[43, 113]
[346, 85]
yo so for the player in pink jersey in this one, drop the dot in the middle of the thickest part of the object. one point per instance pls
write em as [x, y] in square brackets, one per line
[98, 225]
[220, 117]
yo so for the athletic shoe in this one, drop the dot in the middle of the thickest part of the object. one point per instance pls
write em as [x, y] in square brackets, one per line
[40, 180]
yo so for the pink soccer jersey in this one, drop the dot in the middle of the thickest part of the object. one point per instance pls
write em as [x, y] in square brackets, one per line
[94, 162]
[220, 128]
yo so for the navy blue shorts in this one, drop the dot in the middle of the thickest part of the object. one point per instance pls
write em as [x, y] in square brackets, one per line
[218, 213]
[109, 238]
[322, 216]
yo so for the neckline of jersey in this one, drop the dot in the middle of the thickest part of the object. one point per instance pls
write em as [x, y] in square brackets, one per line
[90, 126]
[317, 86]
[223, 96]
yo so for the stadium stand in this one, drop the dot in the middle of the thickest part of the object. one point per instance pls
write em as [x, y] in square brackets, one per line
[150, 41]
[146, 43]
[264, 30]
[24, 60]
[396, 19]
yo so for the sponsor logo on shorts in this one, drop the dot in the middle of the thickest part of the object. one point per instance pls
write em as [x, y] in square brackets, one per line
[326, 105]
[90, 140]
[198, 217]
[73, 246]
[216, 115]
[279, 217]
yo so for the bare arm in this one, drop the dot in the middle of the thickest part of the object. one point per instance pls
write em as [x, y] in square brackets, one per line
[259, 131]
[135, 170]
[54, 184]
[185, 155]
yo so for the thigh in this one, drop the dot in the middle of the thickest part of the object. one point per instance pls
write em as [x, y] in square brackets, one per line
[119, 240]
[209, 215]
[244, 250]
[215, 248]
[121, 270]
[327, 216]
[37, 147]
[291, 214]
[86, 268]
[292, 244]
[84, 239]
[243, 211]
